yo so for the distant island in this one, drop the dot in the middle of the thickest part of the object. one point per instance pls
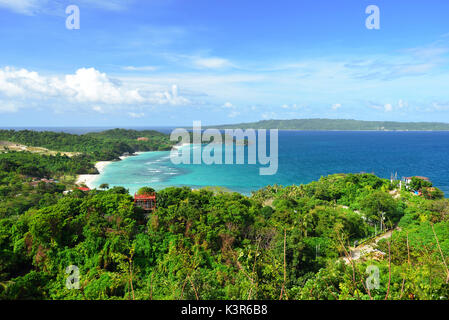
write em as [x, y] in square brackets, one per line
[338, 125]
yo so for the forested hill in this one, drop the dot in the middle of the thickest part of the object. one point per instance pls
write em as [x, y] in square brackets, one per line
[106, 145]
[280, 243]
[339, 124]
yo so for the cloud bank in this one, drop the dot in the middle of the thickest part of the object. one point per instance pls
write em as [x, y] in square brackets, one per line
[87, 86]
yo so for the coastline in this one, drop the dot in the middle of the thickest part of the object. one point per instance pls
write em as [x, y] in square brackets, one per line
[89, 179]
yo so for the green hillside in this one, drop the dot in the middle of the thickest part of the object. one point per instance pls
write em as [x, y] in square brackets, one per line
[106, 145]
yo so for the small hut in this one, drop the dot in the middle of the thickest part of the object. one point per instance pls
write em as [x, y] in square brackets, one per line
[145, 201]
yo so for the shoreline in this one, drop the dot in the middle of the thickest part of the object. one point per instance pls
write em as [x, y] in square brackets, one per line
[89, 179]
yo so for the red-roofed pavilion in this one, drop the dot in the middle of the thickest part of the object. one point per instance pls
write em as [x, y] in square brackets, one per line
[145, 201]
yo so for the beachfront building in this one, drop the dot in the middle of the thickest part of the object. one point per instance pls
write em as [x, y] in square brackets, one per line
[145, 201]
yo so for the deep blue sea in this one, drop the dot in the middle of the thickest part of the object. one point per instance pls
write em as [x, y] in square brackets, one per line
[304, 156]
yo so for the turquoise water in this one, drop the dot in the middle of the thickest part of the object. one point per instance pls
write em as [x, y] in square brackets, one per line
[303, 157]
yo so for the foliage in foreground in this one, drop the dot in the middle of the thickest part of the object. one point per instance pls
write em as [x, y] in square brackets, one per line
[282, 242]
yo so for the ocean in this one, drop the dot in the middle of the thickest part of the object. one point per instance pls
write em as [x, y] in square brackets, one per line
[304, 156]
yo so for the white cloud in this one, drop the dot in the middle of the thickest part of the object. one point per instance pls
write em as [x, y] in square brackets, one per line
[228, 105]
[402, 104]
[292, 107]
[211, 63]
[98, 109]
[336, 106]
[167, 97]
[388, 107]
[376, 107]
[27, 7]
[90, 85]
[141, 68]
[32, 7]
[440, 107]
[86, 86]
[428, 52]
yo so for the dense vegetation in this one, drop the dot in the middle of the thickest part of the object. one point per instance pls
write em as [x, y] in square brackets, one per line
[106, 145]
[282, 242]
[21, 173]
[45, 166]
[338, 124]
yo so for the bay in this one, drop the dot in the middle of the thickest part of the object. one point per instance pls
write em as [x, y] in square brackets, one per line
[304, 156]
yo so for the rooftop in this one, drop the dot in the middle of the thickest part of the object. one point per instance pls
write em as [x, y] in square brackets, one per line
[145, 196]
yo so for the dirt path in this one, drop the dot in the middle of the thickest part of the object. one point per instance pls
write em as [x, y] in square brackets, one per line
[365, 249]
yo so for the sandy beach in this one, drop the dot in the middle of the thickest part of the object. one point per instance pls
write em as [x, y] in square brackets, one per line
[89, 179]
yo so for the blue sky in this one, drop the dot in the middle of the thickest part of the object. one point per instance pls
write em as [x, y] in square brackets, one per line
[169, 62]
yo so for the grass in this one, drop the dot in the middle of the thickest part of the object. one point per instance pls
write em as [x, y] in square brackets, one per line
[11, 146]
